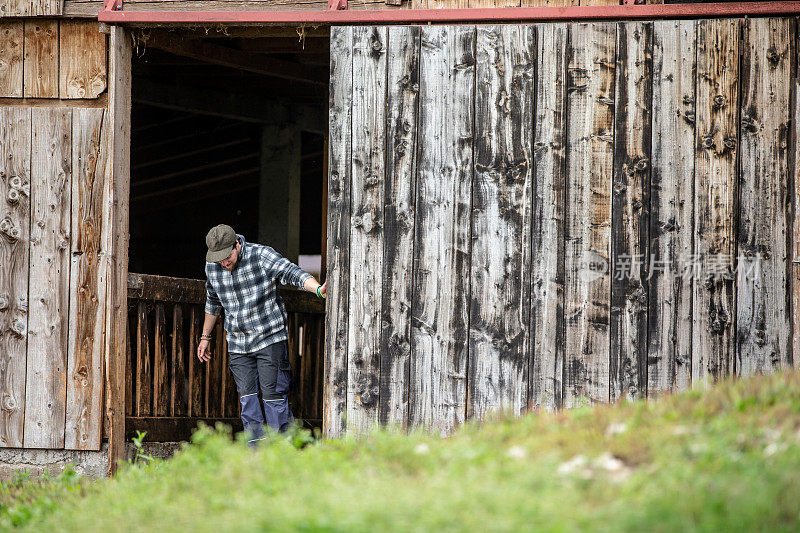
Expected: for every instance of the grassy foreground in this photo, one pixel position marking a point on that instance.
(723, 460)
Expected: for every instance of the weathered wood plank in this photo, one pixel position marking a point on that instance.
(502, 196)
(442, 235)
(715, 198)
(671, 199)
(82, 60)
(178, 404)
(763, 311)
(366, 227)
(590, 112)
(398, 253)
(338, 255)
(161, 392)
(144, 382)
(794, 198)
(15, 173)
(48, 328)
(88, 283)
(12, 37)
(116, 238)
(630, 211)
(547, 271)
(31, 8)
(41, 59)
(196, 384)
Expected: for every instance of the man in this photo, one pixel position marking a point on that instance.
(241, 279)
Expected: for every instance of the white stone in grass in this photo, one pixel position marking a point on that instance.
(571, 466)
(680, 430)
(617, 470)
(774, 447)
(517, 452)
(615, 428)
(421, 448)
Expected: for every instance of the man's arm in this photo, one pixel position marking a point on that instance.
(203, 348)
(213, 308)
(287, 273)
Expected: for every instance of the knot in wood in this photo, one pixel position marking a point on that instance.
(641, 164)
(689, 117)
(19, 328)
(773, 57)
(720, 101)
(15, 182)
(376, 45)
(729, 143)
(13, 196)
(708, 142)
(371, 180)
(8, 230)
(9, 403)
(5, 300)
(749, 124)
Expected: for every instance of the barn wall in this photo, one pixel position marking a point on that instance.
(550, 215)
(53, 168)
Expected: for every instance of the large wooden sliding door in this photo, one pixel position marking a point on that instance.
(550, 215)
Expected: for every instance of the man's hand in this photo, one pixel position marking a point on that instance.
(323, 289)
(204, 351)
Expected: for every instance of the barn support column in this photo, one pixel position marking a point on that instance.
(279, 196)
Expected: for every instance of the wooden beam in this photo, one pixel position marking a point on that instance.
(283, 45)
(242, 106)
(192, 185)
(191, 170)
(116, 239)
(229, 57)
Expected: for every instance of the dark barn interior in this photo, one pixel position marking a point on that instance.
(225, 129)
(222, 135)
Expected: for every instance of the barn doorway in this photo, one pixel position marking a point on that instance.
(227, 127)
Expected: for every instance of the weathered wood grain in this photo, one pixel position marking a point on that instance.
(88, 283)
(590, 127)
(715, 199)
(12, 37)
(48, 328)
(82, 71)
(442, 235)
(338, 254)
(763, 310)
(630, 211)
(31, 8)
(196, 385)
(161, 393)
(794, 198)
(398, 254)
(366, 227)
(15, 173)
(669, 314)
(547, 248)
(502, 195)
(115, 239)
(41, 59)
(143, 363)
(178, 403)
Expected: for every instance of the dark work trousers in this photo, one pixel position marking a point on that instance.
(269, 368)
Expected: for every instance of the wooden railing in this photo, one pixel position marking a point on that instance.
(168, 391)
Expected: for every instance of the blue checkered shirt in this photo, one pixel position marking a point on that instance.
(254, 313)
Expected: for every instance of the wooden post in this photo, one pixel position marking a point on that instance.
(118, 192)
(279, 197)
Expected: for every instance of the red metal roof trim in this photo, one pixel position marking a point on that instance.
(419, 16)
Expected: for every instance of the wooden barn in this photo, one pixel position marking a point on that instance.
(517, 205)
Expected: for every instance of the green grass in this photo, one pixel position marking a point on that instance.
(723, 460)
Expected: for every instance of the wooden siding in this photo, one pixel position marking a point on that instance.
(52, 283)
(592, 219)
(49, 58)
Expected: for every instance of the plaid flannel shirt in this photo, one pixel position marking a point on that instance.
(254, 313)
